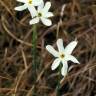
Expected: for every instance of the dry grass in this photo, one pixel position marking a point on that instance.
(16, 74)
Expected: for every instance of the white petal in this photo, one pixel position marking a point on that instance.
(70, 47)
(32, 10)
(47, 6)
(21, 8)
(34, 21)
(37, 2)
(60, 45)
(23, 1)
(55, 64)
(40, 7)
(71, 58)
(52, 50)
(46, 21)
(64, 69)
(48, 14)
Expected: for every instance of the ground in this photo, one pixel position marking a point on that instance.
(17, 77)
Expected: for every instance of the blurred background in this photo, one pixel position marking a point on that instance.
(77, 21)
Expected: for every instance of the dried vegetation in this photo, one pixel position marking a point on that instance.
(78, 21)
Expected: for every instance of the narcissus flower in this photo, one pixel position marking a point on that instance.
(63, 55)
(42, 14)
(29, 4)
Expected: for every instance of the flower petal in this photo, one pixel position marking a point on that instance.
(48, 14)
(32, 10)
(34, 21)
(71, 58)
(21, 8)
(70, 47)
(52, 50)
(40, 7)
(46, 21)
(64, 69)
(60, 45)
(47, 6)
(37, 2)
(55, 64)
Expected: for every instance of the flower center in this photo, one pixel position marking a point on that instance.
(30, 1)
(39, 14)
(62, 56)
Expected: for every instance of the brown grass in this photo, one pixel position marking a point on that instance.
(16, 74)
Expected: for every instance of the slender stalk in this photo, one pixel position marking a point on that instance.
(58, 87)
(58, 83)
(34, 50)
(34, 55)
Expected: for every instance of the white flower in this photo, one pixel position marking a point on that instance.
(63, 56)
(29, 4)
(42, 14)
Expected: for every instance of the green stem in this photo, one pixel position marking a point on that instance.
(57, 93)
(58, 83)
(58, 88)
(34, 50)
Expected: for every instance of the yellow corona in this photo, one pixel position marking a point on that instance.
(62, 56)
(30, 1)
(39, 14)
